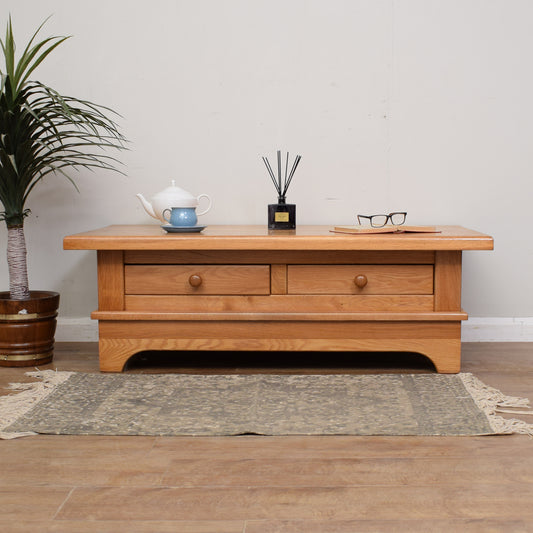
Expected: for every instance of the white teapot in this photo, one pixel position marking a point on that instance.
(170, 197)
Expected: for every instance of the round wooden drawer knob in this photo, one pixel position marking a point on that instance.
(360, 280)
(195, 280)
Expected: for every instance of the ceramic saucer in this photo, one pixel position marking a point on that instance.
(182, 229)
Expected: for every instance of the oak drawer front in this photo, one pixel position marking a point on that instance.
(197, 279)
(360, 279)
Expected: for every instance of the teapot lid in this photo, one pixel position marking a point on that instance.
(175, 196)
(176, 191)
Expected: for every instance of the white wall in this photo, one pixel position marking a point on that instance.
(417, 105)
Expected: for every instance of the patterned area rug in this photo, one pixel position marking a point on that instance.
(68, 403)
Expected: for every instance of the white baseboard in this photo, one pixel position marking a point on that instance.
(501, 329)
(486, 329)
(76, 330)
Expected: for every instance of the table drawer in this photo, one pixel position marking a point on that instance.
(360, 279)
(197, 279)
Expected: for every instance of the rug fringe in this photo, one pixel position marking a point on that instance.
(492, 401)
(27, 396)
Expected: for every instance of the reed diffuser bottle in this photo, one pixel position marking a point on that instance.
(282, 215)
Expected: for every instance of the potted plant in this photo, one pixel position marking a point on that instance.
(41, 132)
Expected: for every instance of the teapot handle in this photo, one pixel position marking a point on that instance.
(163, 214)
(208, 207)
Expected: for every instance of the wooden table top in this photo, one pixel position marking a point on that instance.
(259, 237)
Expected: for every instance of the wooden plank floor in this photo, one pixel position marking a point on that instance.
(253, 484)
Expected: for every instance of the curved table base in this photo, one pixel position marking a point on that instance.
(439, 341)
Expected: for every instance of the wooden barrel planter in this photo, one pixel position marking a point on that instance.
(27, 328)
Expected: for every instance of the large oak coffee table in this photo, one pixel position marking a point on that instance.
(250, 288)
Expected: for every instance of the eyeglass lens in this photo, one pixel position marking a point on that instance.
(397, 218)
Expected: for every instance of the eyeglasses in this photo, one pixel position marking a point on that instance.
(396, 218)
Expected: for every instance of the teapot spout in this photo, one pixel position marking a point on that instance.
(147, 205)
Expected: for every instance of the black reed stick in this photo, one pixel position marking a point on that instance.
(286, 167)
(293, 170)
(271, 173)
(279, 170)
